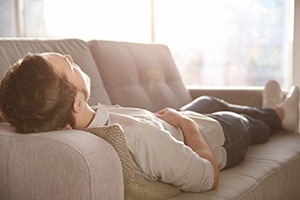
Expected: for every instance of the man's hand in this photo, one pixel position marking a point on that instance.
(171, 116)
(192, 137)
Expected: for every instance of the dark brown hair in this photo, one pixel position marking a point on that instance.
(34, 98)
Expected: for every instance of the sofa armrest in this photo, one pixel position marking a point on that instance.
(58, 165)
(243, 96)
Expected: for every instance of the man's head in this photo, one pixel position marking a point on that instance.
(40, 91)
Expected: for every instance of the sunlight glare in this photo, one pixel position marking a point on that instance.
(114, 19)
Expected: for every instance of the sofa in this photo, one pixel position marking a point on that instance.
(74, 164)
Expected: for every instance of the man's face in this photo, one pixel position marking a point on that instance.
(64, 64)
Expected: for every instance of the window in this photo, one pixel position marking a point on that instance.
(214, 43)
(102, 19)
(232, 43)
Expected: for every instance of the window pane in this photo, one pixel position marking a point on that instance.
(240, 43)
(102, 19)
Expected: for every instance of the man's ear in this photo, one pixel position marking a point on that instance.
(79, 102)
(68, 127)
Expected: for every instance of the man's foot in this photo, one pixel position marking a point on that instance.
(290, 107)
(272, 95)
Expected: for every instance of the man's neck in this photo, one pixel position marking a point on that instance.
(84, 118)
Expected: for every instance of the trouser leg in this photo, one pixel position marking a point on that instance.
(240, 132)
(207, 104)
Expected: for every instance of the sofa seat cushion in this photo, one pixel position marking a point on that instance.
(268, 171)
(139, 75)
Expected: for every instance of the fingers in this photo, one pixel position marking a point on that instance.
(163, 111)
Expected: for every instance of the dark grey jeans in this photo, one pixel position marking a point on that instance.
(242, 125)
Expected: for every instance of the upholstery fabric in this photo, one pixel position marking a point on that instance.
(4, 62)
(58, 165)
(15, 49)
(146, 75)
(267, 172)
(235, 95)
(136, 186)
(68, 165)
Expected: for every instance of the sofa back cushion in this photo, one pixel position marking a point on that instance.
(139, 75)
(4, 62)
(13, 49)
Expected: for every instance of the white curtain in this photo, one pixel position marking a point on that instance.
(7, 28)
(22, 18)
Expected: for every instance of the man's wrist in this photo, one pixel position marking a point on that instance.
(185, 121)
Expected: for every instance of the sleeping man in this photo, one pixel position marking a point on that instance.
(186, 148)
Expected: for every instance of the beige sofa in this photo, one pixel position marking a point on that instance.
(78, 165)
